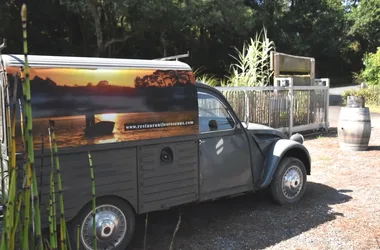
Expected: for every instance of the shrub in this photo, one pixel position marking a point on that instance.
(371, 72)
(209, 80)
(371, 94)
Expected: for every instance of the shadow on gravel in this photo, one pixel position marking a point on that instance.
(373, 148)
(332, 133)
(251, 221)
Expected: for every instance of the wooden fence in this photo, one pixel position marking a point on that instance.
(285, 107)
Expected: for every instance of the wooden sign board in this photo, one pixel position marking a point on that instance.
(300, 68)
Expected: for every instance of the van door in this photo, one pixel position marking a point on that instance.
(3, 135)
(224, 152)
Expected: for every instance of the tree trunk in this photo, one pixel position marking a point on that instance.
(92, 4)
(83, 34)
(163, 43)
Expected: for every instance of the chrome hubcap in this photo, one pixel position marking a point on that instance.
(292, 182)
(110, 228)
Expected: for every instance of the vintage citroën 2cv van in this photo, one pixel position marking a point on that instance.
(157, 137)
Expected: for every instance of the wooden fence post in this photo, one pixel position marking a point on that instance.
(291, 94)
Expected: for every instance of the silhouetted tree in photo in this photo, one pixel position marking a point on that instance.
(166, 90)
(164, 79)
(103, 83)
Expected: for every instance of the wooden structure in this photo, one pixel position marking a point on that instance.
(300, 68)
(296, 102)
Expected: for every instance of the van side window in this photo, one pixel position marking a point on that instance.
(213, 115)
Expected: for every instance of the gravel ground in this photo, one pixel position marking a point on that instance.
(340, 209)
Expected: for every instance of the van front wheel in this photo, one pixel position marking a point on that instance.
(289, 181)
(114, 225)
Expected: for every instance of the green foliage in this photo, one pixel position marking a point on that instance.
(357, 78)
(365, 23)
(252, 67)
(210, 29)
(208, 79)
(371, 72)
(371, 94)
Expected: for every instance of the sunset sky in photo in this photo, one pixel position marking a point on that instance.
(81, 77)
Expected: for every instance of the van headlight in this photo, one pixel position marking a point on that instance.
(297, 137)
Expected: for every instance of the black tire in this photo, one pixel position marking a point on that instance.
(123, 209)
(296, 167)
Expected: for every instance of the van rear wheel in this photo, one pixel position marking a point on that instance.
(115, 225)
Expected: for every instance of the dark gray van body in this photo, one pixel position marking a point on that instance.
(213, 155)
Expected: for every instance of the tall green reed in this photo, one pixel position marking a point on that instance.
(13, 188)
(62, 220)
(93, 199)
(31, 183)
(52, 206)
(252, 66)
(2, 46)
(22, 211)
(22, 220)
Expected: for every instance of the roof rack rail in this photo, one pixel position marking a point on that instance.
(176, 57)
(3, 45)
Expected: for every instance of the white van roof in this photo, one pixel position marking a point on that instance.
(90, 62)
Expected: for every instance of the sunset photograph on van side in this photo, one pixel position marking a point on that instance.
(92, 106)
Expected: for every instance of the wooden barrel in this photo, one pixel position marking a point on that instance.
(354, 128)
(355, 102)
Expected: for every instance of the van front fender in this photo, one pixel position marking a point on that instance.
(280, 149)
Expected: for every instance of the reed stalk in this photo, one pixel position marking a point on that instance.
(2, 245)
(175, 231)
(52, 207)
(78, 237)
(4, 239)
(59, 182)
(31, 174)
(25, 243)
(22, 212)
(68, 238)
(93, 199)
(9, 208)
(22, 140)
(42, 166)
(28, 176)
(3, 201)
(18, 215)
(13, 182)
(9, 218)
(146, 229)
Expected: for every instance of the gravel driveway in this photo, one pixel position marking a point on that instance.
(340, 209)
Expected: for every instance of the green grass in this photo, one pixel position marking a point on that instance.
(374, 108)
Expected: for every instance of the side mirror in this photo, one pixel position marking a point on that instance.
(244, 124)
(213, 125)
